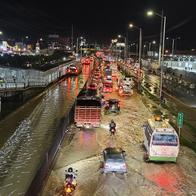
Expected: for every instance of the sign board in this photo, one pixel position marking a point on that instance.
(180, 119)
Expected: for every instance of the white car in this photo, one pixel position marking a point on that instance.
(114, 160)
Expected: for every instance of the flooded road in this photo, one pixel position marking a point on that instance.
(28, 133)
(83, 153)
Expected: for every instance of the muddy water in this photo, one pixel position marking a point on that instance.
(143, 179)
(29, 133)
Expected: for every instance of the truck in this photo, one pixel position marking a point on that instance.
(87, 110)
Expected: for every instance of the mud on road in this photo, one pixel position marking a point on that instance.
(143, 179)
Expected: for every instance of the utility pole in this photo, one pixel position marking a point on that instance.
(149, 46)
(77, 45)
(161, 40)
(173, 41)
(162, 58)
(140, 46)
(125, 49)
(72, 37)
(136, 49)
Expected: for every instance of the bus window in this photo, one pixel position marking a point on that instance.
(165, 139)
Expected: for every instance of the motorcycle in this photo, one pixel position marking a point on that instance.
(70, 184)
(113, 131)
(68, 189)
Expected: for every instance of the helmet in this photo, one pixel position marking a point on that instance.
(70, 169)
(112, 121)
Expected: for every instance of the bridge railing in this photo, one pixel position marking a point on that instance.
(16, 79)
(20, 85)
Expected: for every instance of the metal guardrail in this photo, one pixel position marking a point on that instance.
(48, 161)
(22, 79)
(20, 85)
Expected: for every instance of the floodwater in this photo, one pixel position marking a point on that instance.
(83, 153)
(28, 133)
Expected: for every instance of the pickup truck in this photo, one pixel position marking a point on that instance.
(87, 111)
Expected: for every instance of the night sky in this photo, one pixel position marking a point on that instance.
(98, 20)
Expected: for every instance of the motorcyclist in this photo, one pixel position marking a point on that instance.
(70, 176)
(112, 126)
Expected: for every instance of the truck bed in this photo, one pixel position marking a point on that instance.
(87, 116)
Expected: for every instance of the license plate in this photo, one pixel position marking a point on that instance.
(87, 126)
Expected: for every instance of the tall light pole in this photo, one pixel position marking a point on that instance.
(140, 41)
(1, 33)
(72, 37)
(77, 45)
(114, 41)
(125, 48)
(161, 45)
(140, 53)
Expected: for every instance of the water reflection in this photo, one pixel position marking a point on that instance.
(21, 155)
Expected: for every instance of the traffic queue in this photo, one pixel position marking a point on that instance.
(161, 141)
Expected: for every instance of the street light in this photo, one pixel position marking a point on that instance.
(161, 44)
(1, 33)
(79, 45)
(140, 52)
(150, 13)
(125, 48)
(140, 41)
